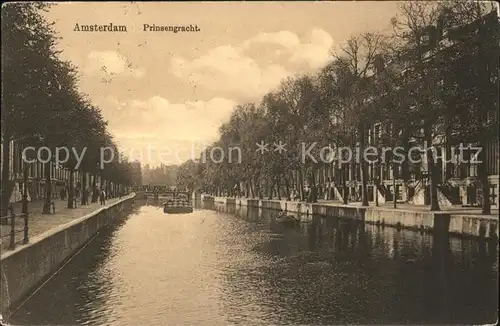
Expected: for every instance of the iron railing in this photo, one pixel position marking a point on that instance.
(10, 221)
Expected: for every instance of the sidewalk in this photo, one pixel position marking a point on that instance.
(39, 223)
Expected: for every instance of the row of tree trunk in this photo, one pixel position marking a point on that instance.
(281, 185)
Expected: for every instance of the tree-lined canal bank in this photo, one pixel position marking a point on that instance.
(230, 264)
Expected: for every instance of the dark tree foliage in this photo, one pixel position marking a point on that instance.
(41, 103)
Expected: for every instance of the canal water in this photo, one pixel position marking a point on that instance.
(233, 265)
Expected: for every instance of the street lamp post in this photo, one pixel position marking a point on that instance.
(25, 188)
(94, 184)
(395, 199)
(425, 181)
(99, 174)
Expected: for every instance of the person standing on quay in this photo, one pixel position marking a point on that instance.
(85, 196)
(103, 197)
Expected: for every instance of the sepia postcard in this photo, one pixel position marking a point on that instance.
(249, 163)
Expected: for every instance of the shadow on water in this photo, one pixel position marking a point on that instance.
(334, 270)
(228, 264)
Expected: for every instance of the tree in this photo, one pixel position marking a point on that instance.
(358, 60)
(394, 110)
(41, 104)
(27, 63)
(188, 176)
(420, 30)
(415, 29)
(471, 92)
(409, 83)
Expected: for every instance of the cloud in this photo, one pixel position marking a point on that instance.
(233, 69)
(157, 124)
(316, 53)
(188, 121)
(110, 63)
(286, 39)
(227, 69)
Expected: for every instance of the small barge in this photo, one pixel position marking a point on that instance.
(178, 203)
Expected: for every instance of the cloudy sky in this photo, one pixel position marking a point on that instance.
(167, 94)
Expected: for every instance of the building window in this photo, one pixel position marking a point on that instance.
(494, 195)
(490, 116)
(473, 170)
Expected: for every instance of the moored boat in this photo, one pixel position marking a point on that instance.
(287, 220)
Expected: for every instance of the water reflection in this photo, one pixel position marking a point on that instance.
(234, 264)
(390, 276)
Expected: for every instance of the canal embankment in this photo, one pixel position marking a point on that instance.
(458, 221)
(27, 266)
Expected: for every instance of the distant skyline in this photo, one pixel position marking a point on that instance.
(163, 89)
